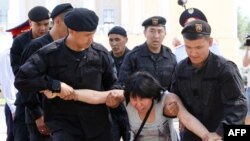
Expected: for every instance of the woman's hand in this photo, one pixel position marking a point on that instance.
(114, 98)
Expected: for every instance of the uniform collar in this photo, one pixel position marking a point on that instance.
(125, 52)
(146, 52)
(205, 63)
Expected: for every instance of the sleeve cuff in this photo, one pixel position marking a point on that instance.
(35, 112)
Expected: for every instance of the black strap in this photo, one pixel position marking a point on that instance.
(144, 121)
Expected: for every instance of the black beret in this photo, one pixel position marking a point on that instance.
(23, 27)
(38, 13)
(81, 19)
(61, 8)
(195, 29)
(118, 30)
(154, 21)
(191, 14)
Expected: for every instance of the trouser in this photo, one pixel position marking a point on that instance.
(62, 135)
(20, 129)
(9, 123)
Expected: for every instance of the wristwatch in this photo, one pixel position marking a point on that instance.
(56, 86)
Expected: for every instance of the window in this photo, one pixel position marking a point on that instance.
(108, 16)
(3, 16)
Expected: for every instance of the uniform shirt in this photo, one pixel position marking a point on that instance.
(161, 129)
(141, 59)
(214, 94)
(92, 71)
(118, 60)
(35, 45)
(33, 100)
(17, 48)
(7, 80)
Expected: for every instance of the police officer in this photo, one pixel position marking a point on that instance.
(58, 30)
(34, 118)
(209, 85)
(186, 16)
(7, 81)
(151, 56)
(19, 29)
(117, 40)
(74, 62)
(189, 15)
(39, 21)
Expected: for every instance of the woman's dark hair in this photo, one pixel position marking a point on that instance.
(144, 85)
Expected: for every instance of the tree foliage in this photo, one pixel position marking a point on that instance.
(243, 26)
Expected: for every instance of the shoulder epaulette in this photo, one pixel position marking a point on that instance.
(99, 47)
(54, 46)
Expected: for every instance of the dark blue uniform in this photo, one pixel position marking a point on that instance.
(35, 45)
(88, 69)
(32, 101)
(120, 122)
(20, 42)
(217, 87)
(118, 60)
(161, 65)
(17, 48)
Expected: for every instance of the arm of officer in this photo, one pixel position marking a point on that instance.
(233, 97)
(96, 97)
(15, 55)
(32, 77)
(127, 68)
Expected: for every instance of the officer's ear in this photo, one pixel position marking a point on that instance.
(145, 30)
(210, 41)
(57, 20)
(126, 40)
(30, 22)
(70, 31)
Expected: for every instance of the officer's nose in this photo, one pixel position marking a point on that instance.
(191, 52)
(43, 28)
(113, 43)
(156, 34)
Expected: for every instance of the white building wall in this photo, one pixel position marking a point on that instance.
(125, 14)
(131, 13)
